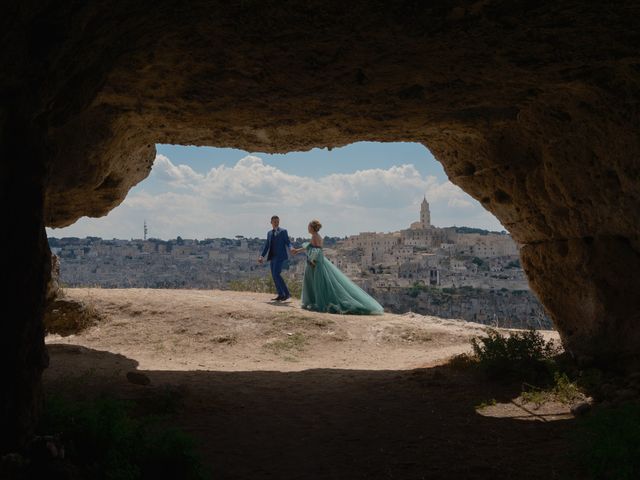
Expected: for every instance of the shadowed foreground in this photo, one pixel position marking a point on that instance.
(331, 423)
(532, 108)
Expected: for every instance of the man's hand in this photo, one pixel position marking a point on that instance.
(260, 260)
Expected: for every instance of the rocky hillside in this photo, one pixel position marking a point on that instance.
(226, 330)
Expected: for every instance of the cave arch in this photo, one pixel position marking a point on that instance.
(531, 107)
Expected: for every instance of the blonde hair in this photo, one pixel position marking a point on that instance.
(315, 225)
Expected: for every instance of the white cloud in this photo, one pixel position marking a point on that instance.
(240, 199)
(175, 175)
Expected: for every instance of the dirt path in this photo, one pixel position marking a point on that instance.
(273, 391)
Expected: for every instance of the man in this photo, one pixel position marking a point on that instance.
(276, 248)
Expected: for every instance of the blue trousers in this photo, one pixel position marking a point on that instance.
(276, 269)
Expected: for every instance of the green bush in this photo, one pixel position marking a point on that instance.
(413, 293)
(609, 442)
(415, 289)
(524, 356)
(462, 361)
(482, 265)
(105, 441)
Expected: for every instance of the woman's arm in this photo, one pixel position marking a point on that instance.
(295, 251)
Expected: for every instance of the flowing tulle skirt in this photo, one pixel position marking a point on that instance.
(327, 289)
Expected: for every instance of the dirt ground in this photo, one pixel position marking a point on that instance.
(273, 391)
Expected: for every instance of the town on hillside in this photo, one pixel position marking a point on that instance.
(454, 272)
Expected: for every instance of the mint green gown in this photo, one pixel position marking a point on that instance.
(327, 289)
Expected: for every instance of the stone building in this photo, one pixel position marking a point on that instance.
(373, 246)
(423, 234)
(486, 246)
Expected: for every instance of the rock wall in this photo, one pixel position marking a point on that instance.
(53, 285)
(25, 265)
(532, 107)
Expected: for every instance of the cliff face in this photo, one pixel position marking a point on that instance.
(497, 308)
(531, 107)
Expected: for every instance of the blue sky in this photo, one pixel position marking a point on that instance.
(205, 192)
(316, 162)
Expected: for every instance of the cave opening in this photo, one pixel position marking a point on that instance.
(244, 376)
(377, 202)
(531, 108)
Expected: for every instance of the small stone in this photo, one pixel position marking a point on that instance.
(46, 447)
(138, 378)
(626, 394)
(581, 409)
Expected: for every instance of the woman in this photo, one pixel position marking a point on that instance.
(325, 287)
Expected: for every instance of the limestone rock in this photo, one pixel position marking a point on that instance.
(532, 107)
(581, 409)
(538, 124)
(53, 286)
(138, 378)
(68, 317)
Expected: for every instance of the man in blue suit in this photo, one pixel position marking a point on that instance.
(276, 249)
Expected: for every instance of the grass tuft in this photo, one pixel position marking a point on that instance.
(105, 440)
(295, 342)
(488, 403)
(265, 285)
(563, 390)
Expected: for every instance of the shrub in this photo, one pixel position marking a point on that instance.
(482, 265)
(524, 356)
(105, 441)
(462, 361)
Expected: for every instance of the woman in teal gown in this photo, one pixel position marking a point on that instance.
(325, 288)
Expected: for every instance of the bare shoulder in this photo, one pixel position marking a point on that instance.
(317, 239)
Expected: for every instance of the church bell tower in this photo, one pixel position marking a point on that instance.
(425, 214)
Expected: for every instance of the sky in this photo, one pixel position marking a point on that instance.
(206, 192)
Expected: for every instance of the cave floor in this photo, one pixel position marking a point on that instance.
(289, 417)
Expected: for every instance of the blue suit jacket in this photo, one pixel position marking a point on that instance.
(281, 245)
